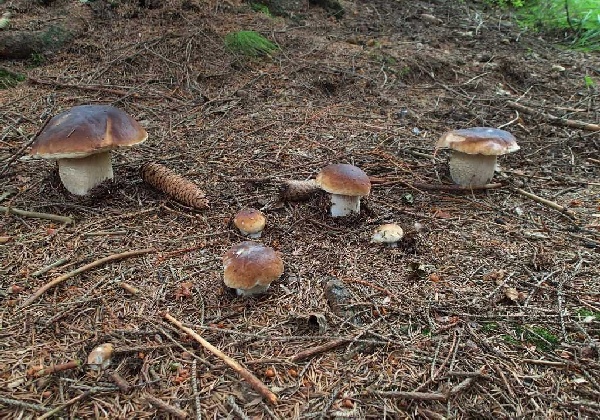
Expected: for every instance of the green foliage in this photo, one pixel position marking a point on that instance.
(584, 313)
(8, 79)
(261, 8)
(541, 337)
(579, 18)
(37, 59)
(249, 43)
(507, 3)
(490, 326)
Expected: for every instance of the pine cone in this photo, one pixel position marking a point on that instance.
(297, 190)
(176, 186)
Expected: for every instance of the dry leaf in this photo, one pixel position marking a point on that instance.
(511, 293)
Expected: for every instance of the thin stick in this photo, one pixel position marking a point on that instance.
(23, 404)
(86, 267)
(243, 372)
(458, 188)
(553, 118)
(547, 203)
(65, 405)
(36, 215)
(158, 403)
(318, 349)
(129, 288)
(26, 145)
(73, 364)
(421, 396)
(195, 392)
(47, 268)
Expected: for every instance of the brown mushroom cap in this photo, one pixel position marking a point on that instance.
(388, 233)
(250, 220)
(85, 130)
(249, 264)
(344, 179)
(479, 141)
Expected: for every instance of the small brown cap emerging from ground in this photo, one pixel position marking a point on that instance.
(479, 141)
(100, 356)
(85, 130)
(344, 179)
(389, 233)
(250, 267)
(250, 222)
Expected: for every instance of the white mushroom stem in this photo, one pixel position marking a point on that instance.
(256, 290)
(80, 175)
(471, 170)
(343, 205)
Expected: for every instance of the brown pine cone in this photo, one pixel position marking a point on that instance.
(297, 190)
(176, 186)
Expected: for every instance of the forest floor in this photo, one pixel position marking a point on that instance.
(490, 310)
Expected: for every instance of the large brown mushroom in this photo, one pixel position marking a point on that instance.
(347, 184)
(250, 267)
(81, 139)
(474, 153)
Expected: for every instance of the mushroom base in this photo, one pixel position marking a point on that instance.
(343, 205)
(256, 290)
(80, 175)
(471, 170)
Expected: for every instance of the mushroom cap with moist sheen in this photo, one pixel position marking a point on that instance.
(249, 264)
(344, 179)
(85, 130)
(479, 141)
(250, 220)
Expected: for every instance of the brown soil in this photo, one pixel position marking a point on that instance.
(491, 310)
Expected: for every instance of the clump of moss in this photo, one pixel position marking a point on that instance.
(8, 79)
(249, 43)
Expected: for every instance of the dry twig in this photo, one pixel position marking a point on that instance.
(317, 350)
(86, 267)
(158, 403)
(553, 118)
(36, 215)
(243, 372)
(547, 203)
(73, 364)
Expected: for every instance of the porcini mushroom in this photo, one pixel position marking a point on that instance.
(389, 233)
(250, 222)
(250, 268)
(347, 184)
(81, 139)
(100, 357)
(474, 153)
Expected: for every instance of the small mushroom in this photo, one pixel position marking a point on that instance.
(250, 268)
(100, 356)
(347, 184)
(389, 233)
(81, 139)
(250, 222)
(474, 153)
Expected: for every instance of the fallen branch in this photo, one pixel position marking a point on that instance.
(36, 215)
(421, 396)
(243, 372)
(49, 267)
(553, 118)
(57, 368)
(119, 381)
(65, 405)
(158, 403)
(547, 203)
(459, 188)
(23, 404)
(86, 267)
(318, 349)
